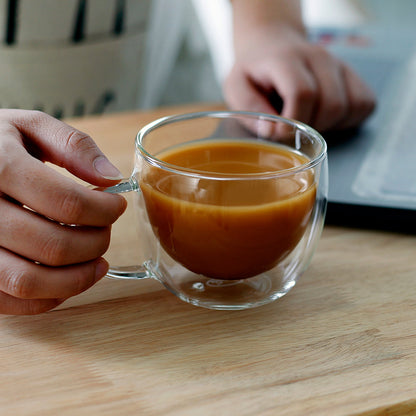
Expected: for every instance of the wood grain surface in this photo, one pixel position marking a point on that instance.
(342, 342)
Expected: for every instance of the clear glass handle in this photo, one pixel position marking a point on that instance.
(127, 185)
(126, 272)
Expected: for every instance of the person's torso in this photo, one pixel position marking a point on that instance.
(72, 57)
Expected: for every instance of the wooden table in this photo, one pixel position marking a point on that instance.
(342, 342)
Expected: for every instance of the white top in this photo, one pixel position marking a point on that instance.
(76, 57)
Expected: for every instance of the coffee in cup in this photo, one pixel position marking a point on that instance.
(230, 206)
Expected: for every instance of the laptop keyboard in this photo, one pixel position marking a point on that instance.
(400, 173)
(389, 169)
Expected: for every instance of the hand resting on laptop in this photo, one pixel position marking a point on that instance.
(273, 58)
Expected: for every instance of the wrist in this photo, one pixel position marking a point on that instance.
(273, 36)
(255, 19)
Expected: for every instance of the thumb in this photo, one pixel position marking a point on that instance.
(57, 142)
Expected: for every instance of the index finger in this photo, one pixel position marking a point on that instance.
(297, 88)
(55, 196)
(49, 139)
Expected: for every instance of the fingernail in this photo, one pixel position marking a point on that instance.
(106, 169)
(101, 269)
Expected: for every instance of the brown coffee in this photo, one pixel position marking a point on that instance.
(229, 228)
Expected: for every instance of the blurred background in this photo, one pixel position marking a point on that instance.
(204, 53)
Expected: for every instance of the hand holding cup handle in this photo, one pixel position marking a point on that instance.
(53, 231)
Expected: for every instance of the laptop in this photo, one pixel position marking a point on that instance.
(372, 169)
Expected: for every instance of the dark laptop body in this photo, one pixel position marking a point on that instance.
(372, 170)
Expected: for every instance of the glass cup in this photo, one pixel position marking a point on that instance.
(230, 205)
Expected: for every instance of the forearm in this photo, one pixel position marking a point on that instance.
(249, 15)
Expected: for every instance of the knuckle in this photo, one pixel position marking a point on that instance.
(70, 245)
(54, 251)
(21, 284)
(71, 208)
(37, 117)
(82, 281)
(76, 141)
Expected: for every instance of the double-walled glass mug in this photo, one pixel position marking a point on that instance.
(230, 205)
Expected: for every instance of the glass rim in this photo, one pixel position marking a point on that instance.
(163, 121)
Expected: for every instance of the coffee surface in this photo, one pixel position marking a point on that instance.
(237, 224)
